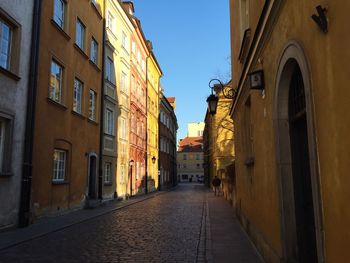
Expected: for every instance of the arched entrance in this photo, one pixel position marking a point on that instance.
(301, 217)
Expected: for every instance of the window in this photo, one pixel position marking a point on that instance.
(108, 173)
(123, 128)
(2, 142)
(59, 165)
(197, 157)
(184, 177)
(80, 35)
(94, 51)
(133, 87)
(143, 65)
(109, 70)
(122, 173)
(92, 105)
(109, 126)
(138, 56)
(58, 13)
(77, 96)
(123, 82)
(124, 41)
(110, 21)
(184, 156)
(133, 47)
(56, 82)
(5, 42)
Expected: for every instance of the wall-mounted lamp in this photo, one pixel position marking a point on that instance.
(153, 159)
(321, 19)
(257, 80)
(213, 99)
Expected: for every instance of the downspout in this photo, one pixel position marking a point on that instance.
(26, 184)
(100, 166)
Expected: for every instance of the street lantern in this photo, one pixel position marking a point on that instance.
(131, 163)
(212, 101)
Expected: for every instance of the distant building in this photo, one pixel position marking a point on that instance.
(167, 144)
(190, 160)
(195, 129)
(15, 38)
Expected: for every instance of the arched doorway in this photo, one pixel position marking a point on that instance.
(300, 202)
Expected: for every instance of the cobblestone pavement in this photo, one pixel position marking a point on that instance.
(166, 228)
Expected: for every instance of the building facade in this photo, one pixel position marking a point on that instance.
(67, 117)
(167, 143)
(15, 38)
(190, 157)
(292, 143)
(218, 141)
(154, 73)
(116, 106)
(138, 113)
(195, 129)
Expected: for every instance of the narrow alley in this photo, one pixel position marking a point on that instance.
(188, 224)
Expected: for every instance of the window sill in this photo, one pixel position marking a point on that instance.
(110, 83)
(61, 30)
(60, 182)
(94, 65)
(94, 6)
(93, 122)
(81, 51)
(3, 174)
(78, 115)
(63, 107)
(9, 74)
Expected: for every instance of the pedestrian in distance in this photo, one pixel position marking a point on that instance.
(216, 183)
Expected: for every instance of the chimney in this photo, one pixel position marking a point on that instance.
(149, 44)
(129, 7)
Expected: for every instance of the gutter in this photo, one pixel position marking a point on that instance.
(27, 169)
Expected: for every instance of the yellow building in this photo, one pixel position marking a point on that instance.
(219, 145)
(116, 100)
(292, 136)
(154, 73)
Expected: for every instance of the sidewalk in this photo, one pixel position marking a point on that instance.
(226, 240)
(52, 224)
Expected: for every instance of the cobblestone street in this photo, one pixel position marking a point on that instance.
(167, 228)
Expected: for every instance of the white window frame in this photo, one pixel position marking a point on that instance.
(123, 82)
(133, 47)
(108, 173)
(123, 125)
(94, 51)
(78, 96)
(92, 105)
(59, 165)
(110, 21)
(55, 91)
(59, 12)
(109, 121)
(124, 41)
(5, 52)
(80, 34)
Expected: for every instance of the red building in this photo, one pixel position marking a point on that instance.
(138, 120)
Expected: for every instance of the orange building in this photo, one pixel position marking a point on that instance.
(67, 123)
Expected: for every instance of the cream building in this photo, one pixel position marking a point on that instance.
(195, 129)
(116, 102)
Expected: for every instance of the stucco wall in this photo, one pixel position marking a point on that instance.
(13, 100)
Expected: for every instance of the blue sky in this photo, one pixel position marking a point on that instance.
(191, 40)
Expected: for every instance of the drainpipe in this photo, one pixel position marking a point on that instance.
(100, 162)
(146, 177)
(26, 184)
